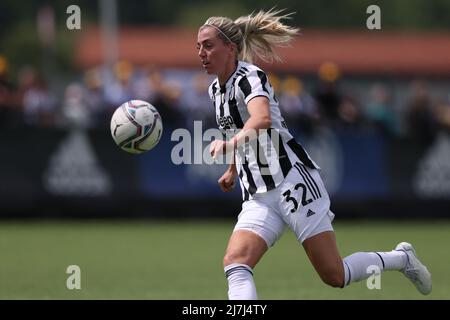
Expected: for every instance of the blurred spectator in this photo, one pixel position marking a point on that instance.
(379, 110)
(275, 82)
(327, 95)
(196, 103)
(349, 111)
(299, 108)
(166, 97)
(442, 114)
(117, 87)
(75, 109)
(94, 96)
(420, 122)
(7, 101)
(169, 99)
(142, 84)
(337, 108)
(181, 98)
(39, 104)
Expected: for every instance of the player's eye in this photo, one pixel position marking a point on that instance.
(207, 45)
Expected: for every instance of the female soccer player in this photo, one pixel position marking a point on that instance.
(280, 183)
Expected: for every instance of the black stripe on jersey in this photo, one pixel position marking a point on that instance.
(261, 160)
(246, 194)
(308, 183)
(245, 69)
(232, 103)
(234, 113)
(241, 72)
(214, 89)
(300, 153)
(262, 76)
(245, 86)
(283, 157)
(313, 181)
(221, 103)
(251, 182)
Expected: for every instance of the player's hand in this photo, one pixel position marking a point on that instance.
(226, 182)
(218, 147)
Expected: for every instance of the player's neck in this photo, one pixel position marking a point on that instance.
(231, 68)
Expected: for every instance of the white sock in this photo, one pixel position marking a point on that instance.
(393, 260)
(356, 265)
(240, 282)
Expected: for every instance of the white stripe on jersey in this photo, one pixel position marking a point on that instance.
(263, 170)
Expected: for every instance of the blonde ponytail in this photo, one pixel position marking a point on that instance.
(263, 32)
(255, 35)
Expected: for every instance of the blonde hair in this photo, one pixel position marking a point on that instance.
(255, 35)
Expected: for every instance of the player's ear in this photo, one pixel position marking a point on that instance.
(233, 47)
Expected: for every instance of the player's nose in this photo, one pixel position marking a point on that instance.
(201, 53)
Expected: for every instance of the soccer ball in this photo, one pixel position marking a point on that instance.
(136, 126)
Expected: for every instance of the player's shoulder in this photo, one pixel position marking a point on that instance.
(249, 73)
(249, 76)
(249, 68)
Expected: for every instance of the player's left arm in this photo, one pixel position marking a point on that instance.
(259, 110)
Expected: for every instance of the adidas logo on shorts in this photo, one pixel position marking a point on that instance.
(310, 213)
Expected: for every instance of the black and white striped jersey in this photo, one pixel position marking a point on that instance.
(262, 164)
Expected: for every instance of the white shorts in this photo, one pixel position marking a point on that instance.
(300, 202)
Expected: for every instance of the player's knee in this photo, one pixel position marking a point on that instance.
(334, 281)
(232, 257)
(333, 278)
(236, 256)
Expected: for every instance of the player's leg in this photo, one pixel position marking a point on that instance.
(257, 229)
(305, 206)
(311, 222)
(323, 254)
(245, 248)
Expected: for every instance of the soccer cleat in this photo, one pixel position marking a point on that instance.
(414, 269)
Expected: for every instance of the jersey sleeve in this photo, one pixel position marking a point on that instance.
(253, 84)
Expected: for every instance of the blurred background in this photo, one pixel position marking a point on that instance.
(372, 107)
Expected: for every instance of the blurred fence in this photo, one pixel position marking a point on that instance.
(49, 172)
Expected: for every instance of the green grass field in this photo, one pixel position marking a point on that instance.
(183, 260)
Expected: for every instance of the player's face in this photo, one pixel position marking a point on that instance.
(213, 52)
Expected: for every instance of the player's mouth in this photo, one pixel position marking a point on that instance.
(205, 64)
